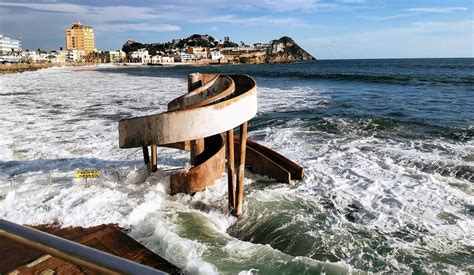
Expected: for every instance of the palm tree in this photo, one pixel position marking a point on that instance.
(27, 59)
(14, 54)
(92, 57)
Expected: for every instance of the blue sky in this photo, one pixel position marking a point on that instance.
(327, 29)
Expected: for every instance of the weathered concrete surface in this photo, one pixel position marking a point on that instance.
(209, 166)
(190, 124)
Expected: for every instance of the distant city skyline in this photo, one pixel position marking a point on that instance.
(327, 29)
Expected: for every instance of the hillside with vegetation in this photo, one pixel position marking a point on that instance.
(195, 40)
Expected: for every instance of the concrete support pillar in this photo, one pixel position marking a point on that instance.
(153, 159)
(239, 192)
(230, 168)
(197, 146)
(146, 156)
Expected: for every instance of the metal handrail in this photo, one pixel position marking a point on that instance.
(72, 252)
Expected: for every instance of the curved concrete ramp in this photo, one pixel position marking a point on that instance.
(184, 124)
(203, 121)
(208, 167)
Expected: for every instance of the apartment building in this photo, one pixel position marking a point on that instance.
(80, 37)
(8, 44)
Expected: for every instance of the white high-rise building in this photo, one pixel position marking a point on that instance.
(8, 44)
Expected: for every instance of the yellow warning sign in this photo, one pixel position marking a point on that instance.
(85, 174)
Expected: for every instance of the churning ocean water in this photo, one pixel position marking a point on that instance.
(387, 147)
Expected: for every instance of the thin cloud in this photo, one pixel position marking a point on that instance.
(415, 11)
(437, 9)
(232, 19)
(352, 1)
(49, 7)
(103, 19)
(143, 27)
(292, 5)
(275, 6)
(101, 13)
(388, 17)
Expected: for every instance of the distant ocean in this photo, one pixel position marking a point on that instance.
(387, 146)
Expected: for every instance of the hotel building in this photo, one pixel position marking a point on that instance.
(7, 44)
(80, 37)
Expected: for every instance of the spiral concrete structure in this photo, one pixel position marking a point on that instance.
(203, 121)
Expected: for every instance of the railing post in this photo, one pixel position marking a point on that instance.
(241, 174)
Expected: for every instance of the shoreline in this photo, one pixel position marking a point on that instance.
(19, 68)
(22, 67)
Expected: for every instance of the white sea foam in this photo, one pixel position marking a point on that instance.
(383, 180)
(53, 122)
